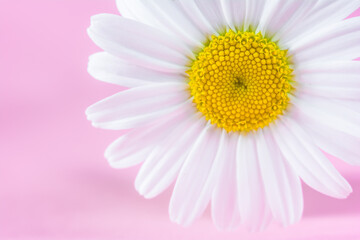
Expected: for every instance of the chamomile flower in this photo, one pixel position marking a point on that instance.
(235, 101)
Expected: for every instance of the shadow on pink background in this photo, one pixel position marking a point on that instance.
(54, 180)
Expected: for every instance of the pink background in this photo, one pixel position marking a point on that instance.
(54, 180)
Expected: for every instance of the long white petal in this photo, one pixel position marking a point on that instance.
(332, 92)
(331, 80)
(213, 13)
(137, 106)
(197, 177)
(197, 17)
(234, 12)
(254, 209)
(331, 67)
(339, 41)
(165, 15)
(281, 17)
(308, 161)
(138, 43)
(254, 12)
(109, 68)
(329, 113)
(319, 14)
(340, 144)
(134, 146)
(164, 163)
(282, 185)
(352, 105)
(224, 207)
(126, 10)
(339, 74)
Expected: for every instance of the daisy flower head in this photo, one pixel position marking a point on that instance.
(235, 101)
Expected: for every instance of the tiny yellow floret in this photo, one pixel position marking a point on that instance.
(241, 81)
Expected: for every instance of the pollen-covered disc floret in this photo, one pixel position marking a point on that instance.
(241, 81)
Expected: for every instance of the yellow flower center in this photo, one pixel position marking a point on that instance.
(241, 81)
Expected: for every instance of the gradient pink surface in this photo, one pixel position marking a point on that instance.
(54, 180)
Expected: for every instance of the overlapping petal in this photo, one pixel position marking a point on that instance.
(254, 209)
(308, 161)
(329, 113)
(137, 106)
(335, 42)
(314, 17)
(335, 142)
(196, 180)
(138, 43)
(224, 202)
(175, 17)
(109, 68)
(164, 163)
(135, 146)
(282, 185)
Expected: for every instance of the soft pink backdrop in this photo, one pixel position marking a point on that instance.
(54, 180)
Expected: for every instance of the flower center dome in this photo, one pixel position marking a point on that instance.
(241, 81)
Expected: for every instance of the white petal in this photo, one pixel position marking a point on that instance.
(108, 68)
(308, 161)
(137, 106)
(314, 17)
(331, 67)
(254, 12)
(224, 207)
(352, 105)
(340, 74)
(234, 13)
(193, 21)
(165, 15)
(282, 185)
(244, 14)
(254, 209)
(339, 41)
(197, 16)
(134, 147)
(138, 43)
(332, 92)
(126, 10)
(213, 13)
(329, 113)
(162, 166)
(336, 141)
(332, 141)
(197, 177)
(280, 17)
(326, 33)
(332, 80)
